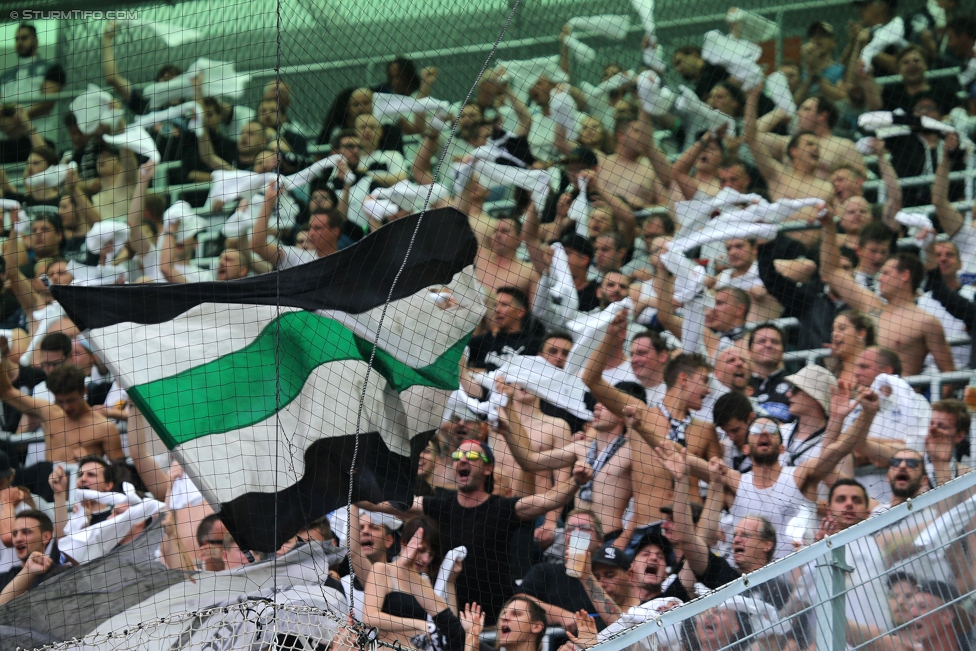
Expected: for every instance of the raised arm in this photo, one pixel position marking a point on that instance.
(518, 442)
(556, 497)
(521, 112)
(539, 253)
(936, 344)
(893, 201)
(110, 67)
(769, 167)
(841, 281)
(140, 434)
(421, 170)
(950, 218)
(838, 441)
(684, 535)
(12, 396)
(139, 239)
(609, 396)
(376, 589)
(166, 243)
(259, 234)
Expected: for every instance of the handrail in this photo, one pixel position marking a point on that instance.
(795, 560)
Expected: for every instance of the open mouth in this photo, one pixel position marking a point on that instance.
(463, 473)
(504, 629)
(738, 549)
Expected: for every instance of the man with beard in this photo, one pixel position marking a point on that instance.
(753, 544)
(484, 523)
(906, 477)
(778, 492)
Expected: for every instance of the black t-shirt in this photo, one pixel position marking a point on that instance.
(588, 300)
(719, 572)
(943, 90)
(27, 378)
(9, 575)
(551, 584)
(710, 75)
(523, 343)
(486, 531)
(771, 390)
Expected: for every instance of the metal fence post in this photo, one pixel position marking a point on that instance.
(831, 580)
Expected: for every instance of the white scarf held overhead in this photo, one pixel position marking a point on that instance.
(219, 79)
(93, 108)
(135, 139)
(891, 34)
(556, 302)
(609, 25)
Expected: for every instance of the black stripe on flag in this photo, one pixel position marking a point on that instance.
(354, 280)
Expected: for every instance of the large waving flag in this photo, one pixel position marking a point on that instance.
(255, 385)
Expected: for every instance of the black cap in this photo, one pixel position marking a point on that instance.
(582, 156)
(610, 555)
(655, 537)
(5, 469)
(576, 242)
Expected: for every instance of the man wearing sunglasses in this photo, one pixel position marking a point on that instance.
(484, 523)
(906, 477)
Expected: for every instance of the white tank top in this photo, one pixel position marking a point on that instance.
(778, 503)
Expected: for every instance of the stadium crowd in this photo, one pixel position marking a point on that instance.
(631, 237)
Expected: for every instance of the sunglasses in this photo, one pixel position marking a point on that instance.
(911, 463)
(759, 428)
(470, 455)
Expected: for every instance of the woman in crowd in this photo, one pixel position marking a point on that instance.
(400, 599)
(853, 332)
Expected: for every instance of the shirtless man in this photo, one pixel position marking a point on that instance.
(902, 326)
(818, 116)
(609, 453)
(624, 180)
(668, 423)
(543, 433)
(796, 180)
(72, 430)
(498, 265)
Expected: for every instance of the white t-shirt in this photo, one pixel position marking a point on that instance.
(779, 503)
(617, 374)
(293, 256)
(745, 282)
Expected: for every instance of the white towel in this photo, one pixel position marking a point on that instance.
(219, 79)
(95, 276)
(107, 498)
(389, 105)
(778, 89)
(379, 209)
(655, 98)
(580, 50)
(689, 277)
(94, 108)
(52, 177)
(739, 57)
(590, 330)
(564, 113)
(135, 139)
(413, 197)
(913, 219)
(172, 35)
(315, 170)
(755, 28)
(522, 74)
(556, 301)
(645, 9)
(687, 102)
(609, 25)
(98, 539)
(579, 210)
(720, 230)
(554, 385)
(170, 113)
(229, 185)
(103, 232)
(535, 181)
(887, 35)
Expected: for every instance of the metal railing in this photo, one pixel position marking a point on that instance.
(828, 600)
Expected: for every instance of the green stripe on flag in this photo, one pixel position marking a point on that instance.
(250, 385)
